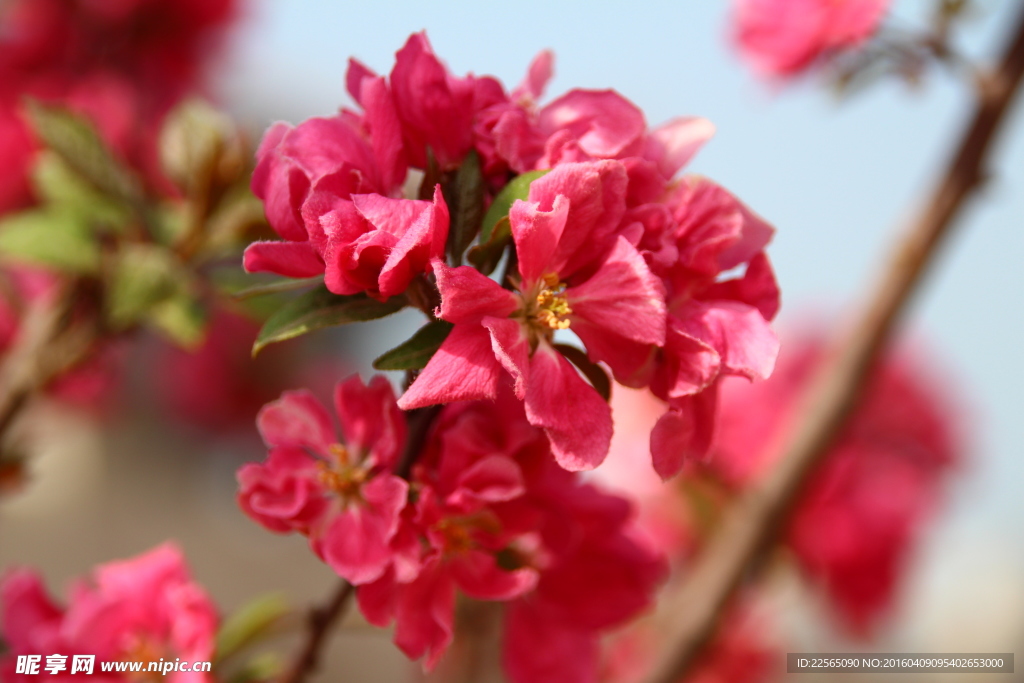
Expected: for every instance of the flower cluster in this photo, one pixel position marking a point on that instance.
(783, 38)
(141, 609)
(663, 280)
(485, 511)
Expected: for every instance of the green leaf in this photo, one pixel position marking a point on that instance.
(276, 287)
(591, 370)
(142, 276)
(181, 318)
(487, 255)
(249, 623)
(50, 237)
(318, 309)
(57, 184)
(264, 667)
(77, 142)
(465, 198)
(517, 188)
(415, 352)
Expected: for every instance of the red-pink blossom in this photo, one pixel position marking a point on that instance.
(717, 326)
(865, 504)
(574, 273)
(139, 609)
(785, 37)
(340, 492)
(377, 244)
(497, 519)
(436, 109)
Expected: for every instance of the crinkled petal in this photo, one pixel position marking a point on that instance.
(370, 418)
(421, 239)
(467, 295)
(463, 369)
(536, 233)
(479, 576)
(757, 287)
(493, 479)
(426, 615)
(683, 434)
(355, 545)
(297, 420)
(742, 337)
(671, 145)
(511, 346)
(575, 418)
(537, 77)
(622, 296)
(605, 124)
(596, 192)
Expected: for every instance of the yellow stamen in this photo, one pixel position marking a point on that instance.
(339, 452)
(552, 306)
(344, 480)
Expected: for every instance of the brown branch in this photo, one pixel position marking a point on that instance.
(49, 344)
(751, 524)
(318, 625)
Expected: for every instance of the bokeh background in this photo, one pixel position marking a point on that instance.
(836, 177)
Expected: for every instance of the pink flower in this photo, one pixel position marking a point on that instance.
(377, 244)
(785, 37)
(292, 160)
(497, 519)
(469, 519)
(865, 504)
(716, 326)
(575, 274)
(340, 493)
(140, 609)
(597, 577)
(436, 109)
(585, 125)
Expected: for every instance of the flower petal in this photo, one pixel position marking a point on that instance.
(355, 545)
(291, 259)
(463, 369)
(575, 418)
(296, 420)
(467, 295)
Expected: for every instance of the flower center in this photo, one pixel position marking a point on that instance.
(460, 534)
(143, 648)
(343, 478)
(552, 307)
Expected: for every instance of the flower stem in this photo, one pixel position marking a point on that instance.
(752, 522)
(318, 625)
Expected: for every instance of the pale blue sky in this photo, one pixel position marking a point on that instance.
(834, 178)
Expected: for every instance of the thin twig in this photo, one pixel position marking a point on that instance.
(49, 344)
(751, 525)
(318, 626)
